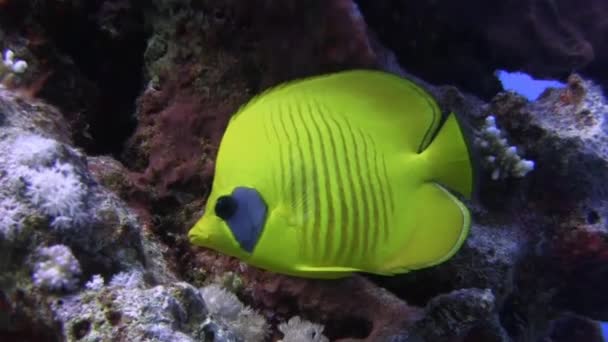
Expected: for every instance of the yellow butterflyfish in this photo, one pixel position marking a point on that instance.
(333, 174)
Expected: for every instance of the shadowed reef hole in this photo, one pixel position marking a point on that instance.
(348, 327)
(416, 288)
(107, 47)
(81, 329)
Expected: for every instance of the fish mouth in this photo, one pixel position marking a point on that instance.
(234, 231)
(196, 237)
(218, 241)
(201, 234)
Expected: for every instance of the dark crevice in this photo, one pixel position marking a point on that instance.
(427, 43)
(81, 329)
(164, 222)
(106, 42)
(483, 332)
(21, 319)
(593, 217)
(347, 328)
(416, 288)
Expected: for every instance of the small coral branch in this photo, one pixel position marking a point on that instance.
(500, 157)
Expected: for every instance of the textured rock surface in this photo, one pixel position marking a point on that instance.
(533, 266)
(59, 228)
(462, 314)
(49, 197)
(568, 191)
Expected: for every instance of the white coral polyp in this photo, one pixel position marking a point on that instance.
(58, 192)
(11, 218)
(299, 330)
(225, 307)
(33, 149)
(96, 283)
(57, 269)
(221, 302)
(130, 280)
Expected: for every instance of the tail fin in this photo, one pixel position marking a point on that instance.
(450, 158)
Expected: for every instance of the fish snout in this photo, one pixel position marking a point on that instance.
(200, 233)
(195, 236)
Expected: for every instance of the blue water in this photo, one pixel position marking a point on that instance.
(526, 86)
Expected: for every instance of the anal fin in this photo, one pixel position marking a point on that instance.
(324, 272)
(439, 222)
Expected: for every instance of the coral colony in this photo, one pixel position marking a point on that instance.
(110, 160)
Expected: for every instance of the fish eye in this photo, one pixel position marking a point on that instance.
(225, 207)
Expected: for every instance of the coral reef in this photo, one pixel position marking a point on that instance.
(61, 225)
(107, 142)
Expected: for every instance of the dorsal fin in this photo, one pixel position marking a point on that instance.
(395, 108)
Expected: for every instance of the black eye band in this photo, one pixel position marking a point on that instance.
(244, 211)
(225, 207)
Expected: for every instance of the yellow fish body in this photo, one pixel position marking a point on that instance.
(339, 173)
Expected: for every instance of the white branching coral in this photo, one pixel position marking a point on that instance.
(500, 157)
(226, 308)
(57, 268)
(299, 330)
